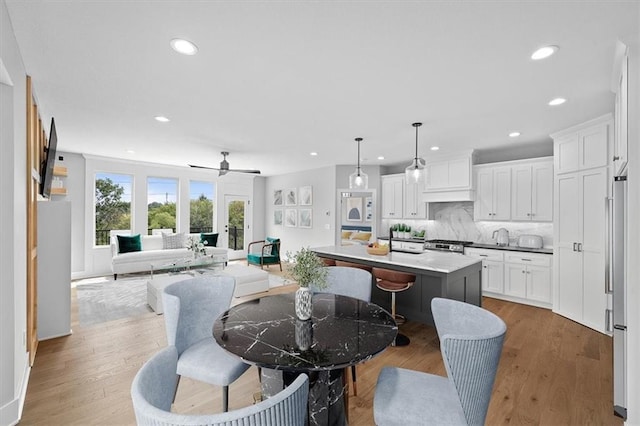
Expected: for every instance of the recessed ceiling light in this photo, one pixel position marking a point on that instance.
(313, 154)
(380, 157)
(514, 134)
(544, 52)
(435, 148)
(130, 151)
(161, 119)
(557, 101)
(184, 46)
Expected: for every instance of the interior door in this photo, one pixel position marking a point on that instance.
(237, 232)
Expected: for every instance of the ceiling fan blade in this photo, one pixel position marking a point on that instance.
(202, 167)
(257, 172)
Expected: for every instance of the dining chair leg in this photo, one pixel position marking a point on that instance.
(353, 378)
(225, 398)
(175, 391)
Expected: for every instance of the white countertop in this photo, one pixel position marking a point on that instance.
(429, 260)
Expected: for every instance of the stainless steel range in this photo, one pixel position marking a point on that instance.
(446, 245)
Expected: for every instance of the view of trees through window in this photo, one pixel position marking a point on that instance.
(112, 204)
(162, 195)
(200, 207)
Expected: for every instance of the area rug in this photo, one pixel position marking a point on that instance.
(103, 299)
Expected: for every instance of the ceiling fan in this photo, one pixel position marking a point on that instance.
(224, 167)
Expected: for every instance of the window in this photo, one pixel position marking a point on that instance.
(200, 207)
(162, 194)
(112, 205)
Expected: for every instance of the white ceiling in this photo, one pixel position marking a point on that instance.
(274, 81)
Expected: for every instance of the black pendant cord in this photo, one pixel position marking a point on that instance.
(416, 125)
(358, 140)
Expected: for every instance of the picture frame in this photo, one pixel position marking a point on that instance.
(368, 209)
(354, 209)
(291, 218)
(305, 218)
(306, 195)
(277, 197)
(277, 217)
(291, 197)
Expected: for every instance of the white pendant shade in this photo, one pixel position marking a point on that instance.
(358, 179)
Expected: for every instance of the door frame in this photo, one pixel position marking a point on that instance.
(248, 229)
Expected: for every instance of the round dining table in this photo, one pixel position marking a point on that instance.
(341, 332)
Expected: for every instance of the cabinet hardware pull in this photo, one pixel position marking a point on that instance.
(526, 260)
(483, 255)
(580, 247)
(616, 157)
(528, 214)
(575, 245)
(524, 272)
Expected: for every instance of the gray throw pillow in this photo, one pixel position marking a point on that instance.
(173, 241)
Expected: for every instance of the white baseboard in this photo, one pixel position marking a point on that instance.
(11, 413)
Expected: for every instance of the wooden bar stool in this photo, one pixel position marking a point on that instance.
(393, 282)
(353, 265)
(328, 262)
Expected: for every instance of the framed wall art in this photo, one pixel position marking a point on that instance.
(291, 197)
(354, 209)
(277, 217)
(304, 218)
(306, 196)
(291, 218)
(277, 197)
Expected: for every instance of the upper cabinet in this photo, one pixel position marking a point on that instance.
(620, 86)
(493, 194)
(583, 147)
(392, 196)
(519, 190)
(414, 207)
(532, 191)
(449, 178)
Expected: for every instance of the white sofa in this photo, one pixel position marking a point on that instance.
(152, 253)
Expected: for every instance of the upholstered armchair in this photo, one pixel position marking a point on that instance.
(264, 252)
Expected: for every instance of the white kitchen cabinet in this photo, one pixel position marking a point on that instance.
(492, 269)
(580, 228)
(392, 196)
(449, 178)
(528, 276)
(532, 191)
(414, 207)
(583, 147)
(493, 193)
(620, 87)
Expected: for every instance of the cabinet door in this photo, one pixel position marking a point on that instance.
(515, 282)
(621, 120)
(437, 175)
(521, 192)
(392, 197)
(483, 206)
(592, 148)
(539, 284)
(566, 154)
(414, 207)
(502, 193)
(493, 276)
(542, 192)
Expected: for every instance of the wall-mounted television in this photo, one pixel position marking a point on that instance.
(46, 169)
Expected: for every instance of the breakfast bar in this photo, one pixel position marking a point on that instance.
(438, 274)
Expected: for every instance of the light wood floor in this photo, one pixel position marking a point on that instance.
(552, 372)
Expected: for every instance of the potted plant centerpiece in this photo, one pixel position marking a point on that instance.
(306, 268)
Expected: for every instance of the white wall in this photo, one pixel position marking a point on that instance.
(14, 364)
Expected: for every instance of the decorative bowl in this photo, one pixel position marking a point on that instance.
(378, 251)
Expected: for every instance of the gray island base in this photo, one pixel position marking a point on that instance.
(438, 274)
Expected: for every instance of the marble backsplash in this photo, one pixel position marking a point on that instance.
(454, 221)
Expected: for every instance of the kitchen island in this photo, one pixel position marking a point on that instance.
(438, 274)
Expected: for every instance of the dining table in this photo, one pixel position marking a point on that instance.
(342, 331)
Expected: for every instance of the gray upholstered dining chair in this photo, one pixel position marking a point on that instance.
(190, 308)
(352, 282)
(471, 342)
(152, 394)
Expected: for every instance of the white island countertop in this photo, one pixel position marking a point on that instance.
(434, 261)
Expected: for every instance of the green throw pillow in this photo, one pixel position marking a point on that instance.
(275, 242)
(127, 244)
(209, 239)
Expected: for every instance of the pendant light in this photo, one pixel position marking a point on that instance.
(358, 179)
(415, 173)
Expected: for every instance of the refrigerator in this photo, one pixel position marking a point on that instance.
(618, 281)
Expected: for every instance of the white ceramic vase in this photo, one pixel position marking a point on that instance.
(303, 303)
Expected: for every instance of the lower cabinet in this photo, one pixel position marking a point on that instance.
(516, 276)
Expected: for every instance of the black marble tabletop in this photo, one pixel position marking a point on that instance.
(342, 331)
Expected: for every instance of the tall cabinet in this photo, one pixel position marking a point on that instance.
(581, 190)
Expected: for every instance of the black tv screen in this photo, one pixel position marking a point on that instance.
(46, 173)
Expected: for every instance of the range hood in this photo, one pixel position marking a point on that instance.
(449, 195)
